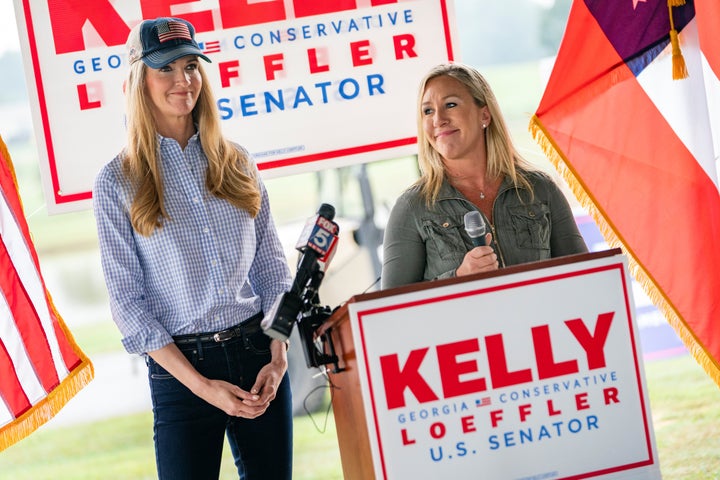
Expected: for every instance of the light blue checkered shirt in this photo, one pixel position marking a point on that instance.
(208, 268)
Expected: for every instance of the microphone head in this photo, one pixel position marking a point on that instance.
(326, 211)
(474, 224)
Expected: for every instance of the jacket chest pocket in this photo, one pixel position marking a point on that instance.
(531, 224)
(444, 239)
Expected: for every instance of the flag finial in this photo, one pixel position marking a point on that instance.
(679, 70)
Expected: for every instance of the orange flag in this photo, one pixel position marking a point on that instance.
(631, 117)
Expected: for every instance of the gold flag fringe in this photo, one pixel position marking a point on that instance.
(44, 410)
(77, 378)
(614, 240)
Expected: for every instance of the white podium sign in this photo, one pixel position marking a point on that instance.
(531, 375)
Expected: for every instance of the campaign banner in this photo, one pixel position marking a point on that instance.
(303, 85)
(531, 375)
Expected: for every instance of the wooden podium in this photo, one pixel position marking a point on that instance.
(349, 396)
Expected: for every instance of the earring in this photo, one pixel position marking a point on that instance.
(484, 125)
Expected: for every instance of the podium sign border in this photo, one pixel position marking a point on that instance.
(362, 311)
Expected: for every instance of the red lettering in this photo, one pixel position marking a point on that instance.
(581, 401)
(240, 13)
(547, 367)
(360, 52)
(437, 430)
(468, 424)
(451, 369)
(499, 373)
(611, 395)
(313, 60)
(308, 8)
(404, 46)
(525, 411)
(84, 98)
(405, 439)
(228, 71)
(67, 18)
(594, 345)
(397, 379)
(495, 417)
(273, 63)
(202, 21)
(551, 409)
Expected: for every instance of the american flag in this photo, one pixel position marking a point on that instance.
(172, 30)
(41, 367)
(483, 402)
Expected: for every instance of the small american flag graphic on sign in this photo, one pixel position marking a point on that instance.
(482, 402)
(212, 46)
(172, 31)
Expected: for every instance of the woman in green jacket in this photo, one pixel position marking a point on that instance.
(468, 162)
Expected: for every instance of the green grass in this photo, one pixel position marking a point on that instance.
(685, 406)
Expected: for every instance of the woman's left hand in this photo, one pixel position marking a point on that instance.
(269, 377)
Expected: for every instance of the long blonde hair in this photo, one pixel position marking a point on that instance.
(230, 175)
(502, 158)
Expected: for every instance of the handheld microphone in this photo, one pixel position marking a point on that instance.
(317, 244)
(475, 228)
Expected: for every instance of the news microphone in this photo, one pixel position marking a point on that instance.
(475, 228)
(317, 243)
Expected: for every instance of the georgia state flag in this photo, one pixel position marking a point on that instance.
(640, 148)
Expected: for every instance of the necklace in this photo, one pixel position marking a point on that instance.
(482, 195)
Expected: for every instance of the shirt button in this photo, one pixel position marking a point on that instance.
(206, 230)
(213, 263)
(196, 200)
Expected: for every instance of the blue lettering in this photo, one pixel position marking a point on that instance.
(256, 39)
(375, 82)
(247, 105)
(432, 454)
(278, 101)
(344, 94)
(301, 96)
(225, 111)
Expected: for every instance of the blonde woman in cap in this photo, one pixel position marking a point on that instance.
(469, 164)
(191, 259)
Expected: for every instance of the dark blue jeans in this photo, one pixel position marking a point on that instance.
(189, 432)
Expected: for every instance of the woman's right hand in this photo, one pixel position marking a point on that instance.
(479, 259)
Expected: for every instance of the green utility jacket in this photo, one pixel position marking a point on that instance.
(424, 243)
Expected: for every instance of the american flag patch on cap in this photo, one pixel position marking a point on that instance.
(172, 30)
